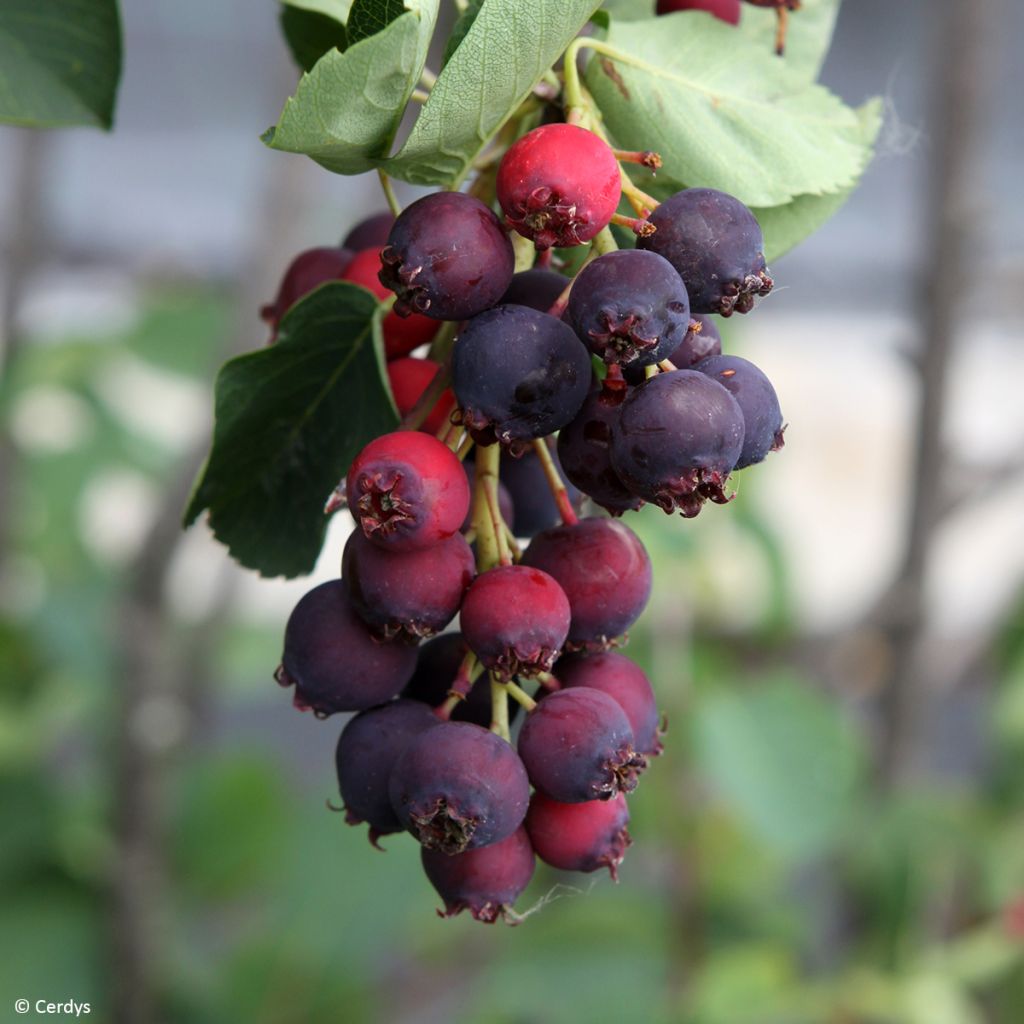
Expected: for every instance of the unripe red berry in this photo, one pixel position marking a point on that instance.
(310, 269)
(579, 837)
(726, 10)
(409, 378)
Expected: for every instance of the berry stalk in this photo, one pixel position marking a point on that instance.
(499, 709)
(558, 491)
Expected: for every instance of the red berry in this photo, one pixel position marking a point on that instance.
(515, 619)
(486, 882)
(407, 490)
(726, 10)
(308, 270)
(409, 378)
(559, 185)
(579, 837)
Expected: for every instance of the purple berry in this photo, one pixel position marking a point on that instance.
(534, 505)
(539, 289)
(695, 346)
(311, 268)
(579, 837)
(371, 232)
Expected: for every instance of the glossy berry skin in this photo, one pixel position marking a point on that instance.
(677, 439)
(436, 668)
(447, 257)
(409, 378)
(584, 448)
(605, 572)
(715, 244)
(486, 882)
(459, 787)
(407, 490)
(753, 391)
(333, 661)
(539, 289)
(308, 270)
(371, 232)
(367, 750)
(559, 185)
(624, 681)
(515, 619)
(518, 374)
(695, 346)
(577, 745)
(401, 334)
(630, 307)
(725, 10)
(579, 837)
(407, 594)
(532, 501)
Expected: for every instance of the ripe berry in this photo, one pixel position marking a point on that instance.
(626, 683)
(367, 750)
(753, 391)
(308, 270)
(407, 594)
(577, 745)
(407, 490)
(715, 244)
(459, 787)
(539, 289)
(695, 346)
(584, 450)
(333, 660)
(605, 572)
(630, 307)
(726, 10)
(677, 439)
(559, 185)
(515, 619)
(409, 378)
(534, 505)
(371, 232)
(401, 334)
(447, 257)
(518, 374)
(579, 837)
(486, 882)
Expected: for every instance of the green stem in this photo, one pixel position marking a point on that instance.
(561, 495)
(499, 710)
(389, 193)
(520, 696)
(488, 553)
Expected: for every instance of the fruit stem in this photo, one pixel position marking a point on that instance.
(648, 158)
(513, 545)
(667, 366)
(499, 710)
(548, 681)
(604, 241)
(561, 495)
(389, 193)
(421, 410)
(419, 96)
(575, 104)
(525, 253)
(650, 371)
(488, 473)
(465, 447)
(428, 79)
(638, 225)
(488, 551)
(641, 202)
(520, 696)
(469, 672)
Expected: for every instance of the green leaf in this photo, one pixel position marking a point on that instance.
(310, 35)
(724, 112)
(368, 17)
(346, 111)
(462, 26)
(807, 38)
(507, 49)
(290, 419)
(60, 61)
(784, 760)
(336, 9)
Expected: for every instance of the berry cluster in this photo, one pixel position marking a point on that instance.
(668, 419)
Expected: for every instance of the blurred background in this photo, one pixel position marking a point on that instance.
(835, 832)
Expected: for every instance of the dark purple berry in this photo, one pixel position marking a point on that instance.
(695, 346)
(516, 620)
(626, 683)
(332, 659)
(367, 750)
(447, 257)
(309, 269)
(630, 307)
(605, 572)
(579, 837)
(371, 232)
(539, 289)
(584, 448)
(486, 882)
(518, 374)
(407, 490)
(753, 391)
(408, 594)
(459, 787)
(577, 745)
(677, 439)
(534, 505)
(715, 244)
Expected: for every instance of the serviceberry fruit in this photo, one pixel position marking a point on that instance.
(485, 881)
(516, 620)
(308, 270)
(407, 594)
(539, 289)
(447, 257)
(677, 439)
(409, 378)
(333, 660)
(753, 391)
(559, 185)
(630, 307)
(458, 787)
(579, 837)
(624, 681)
(407, 490)
(715, 244)
(605, 572)
(367, 750)
(726, 10)
(702, 339)
(371, 232)
(534, 507)
(518, 374)
(577, 745)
